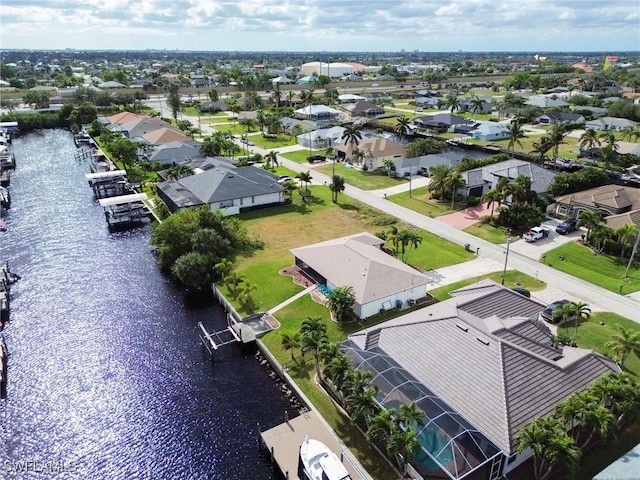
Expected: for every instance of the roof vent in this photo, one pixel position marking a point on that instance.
(483, 340)
(462, 327)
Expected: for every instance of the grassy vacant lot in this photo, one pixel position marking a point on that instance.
(488, 233)
(513, 279)
(420, 201)
(603, 270)
(363, 180)
(300, 156)
(269, 143)
(286, 227)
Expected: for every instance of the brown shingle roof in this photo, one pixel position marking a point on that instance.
(611, 196)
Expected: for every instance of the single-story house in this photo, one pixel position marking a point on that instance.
(490, 131)
(379, 280)
(417, 165)
(307, 79)
(363, 108)
(140, 126)
(173, 153)
(593, 111)
(289, 123)
(165, 135)
(618, 204)
(282, 80)
(318, 112)
(441, 121)
(376, 151)
(322, 138)
(212, 107)
(610, 123)
(466, 103)
(481, 180)
(223, 187)
(111, 84)
(544, 101)
(481, 367)
(554, 118)
(124, 117)
(428, 102)
(349, 97)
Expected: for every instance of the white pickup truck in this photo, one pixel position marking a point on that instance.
(536, 233)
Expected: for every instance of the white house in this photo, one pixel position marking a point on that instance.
(379, 280)
(322, 138)
(317, 112)
(490, 131)
(609, 123)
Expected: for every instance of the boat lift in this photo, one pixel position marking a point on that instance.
(125, 209)
(214, 340)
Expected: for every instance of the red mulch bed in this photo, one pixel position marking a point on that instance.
(298, 277)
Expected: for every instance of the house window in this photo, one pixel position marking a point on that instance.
(241, 201)
(253, 200)
(562, 210)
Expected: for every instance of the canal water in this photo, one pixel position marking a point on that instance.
(107, 379)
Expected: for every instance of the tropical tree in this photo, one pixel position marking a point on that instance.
(452, 102)
(402, 445)
(410, 415)
(402, 127)
(272, 160)
(340, 302)
(179, 171)
(314, 338)
(589, 139)
(608, 152)
(453, 182)
(304, 178)
(591, 219)
(173, 100)
(223, 267)
(245, 296)
(551, 446)
(515, 132)
(493, 197)
(233, 281)
(625, 232)
(476, 105)
(362, 403)
(439, 173)
(406, 239)
(352, 135)
(338, 371)
(556, 138)
(390, 166)
(337, 187)
(382, 426)
(291, 342)
(312, 324)
(624, 343)
(540, 149)
(630, 133)
(580, 311)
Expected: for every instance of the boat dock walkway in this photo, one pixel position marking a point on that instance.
(283, 442)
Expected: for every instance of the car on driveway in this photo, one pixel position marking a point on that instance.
(547, 313)
(567, 226)
(284, 179)
(536, 233)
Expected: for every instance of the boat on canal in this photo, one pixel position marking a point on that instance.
(318, 462)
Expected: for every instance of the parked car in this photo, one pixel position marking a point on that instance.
(567, 226)
(419, 110)
(547, 313)
(522, 291)
(536, 233)
(284, 179)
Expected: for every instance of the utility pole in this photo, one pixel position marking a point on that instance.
(633, 253)
(506, 257)
(410, 171)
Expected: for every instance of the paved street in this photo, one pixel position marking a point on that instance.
(522, 256)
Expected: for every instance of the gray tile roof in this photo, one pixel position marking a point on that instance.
(540, 177)
(497, 373)
(220, 184)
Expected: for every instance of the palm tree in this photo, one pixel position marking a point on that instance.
(625, 232)
(402, 127)
(540, 149)
(272, 160)
(589, 139)
(608, 152)
(556, 138)
(402, 445)
(491, 197)
(452, 102)
(453, 182)
(352, 135)
(314, 341)
(551, 446)
(629, 132)
(245, 295)
(411, 414)
(341, 302)
(337, 187)
(391, 236)
(515, 132)
(581, 311)
(590, 219)
(277, 95)
(390, 166)
(305, 178)
(476, 105)
(178, 171)
(439, 175)
(361, 403)
(291, 342)
(312, 324)
(338, 371)
(223, 267)
(233, 281)
(598, 421)
(624, 343)
(381, 427)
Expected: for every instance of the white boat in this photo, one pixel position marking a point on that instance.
(320, 463)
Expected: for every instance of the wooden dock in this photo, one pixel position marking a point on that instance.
(283, 444)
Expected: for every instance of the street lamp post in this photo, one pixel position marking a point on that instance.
(506, 257)
(410, 192)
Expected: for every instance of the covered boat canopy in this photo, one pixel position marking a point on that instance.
(123, 199)
(105, 175)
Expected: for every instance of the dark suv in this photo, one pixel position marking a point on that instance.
(547, 313)
(567, 226)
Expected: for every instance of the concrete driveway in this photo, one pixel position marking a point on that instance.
(535, 250)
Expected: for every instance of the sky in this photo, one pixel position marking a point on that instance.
(322, 25)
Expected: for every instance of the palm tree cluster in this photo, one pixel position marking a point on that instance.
(593, 414)
(340, 302)
(624, 343)
(549, 142)
(573, 310)
(445, 182)
(517, 191)
(403, 240)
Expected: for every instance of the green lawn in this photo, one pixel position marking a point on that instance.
(603, 270)
(300, 156)
(270, 143)
(235, 128)
(363, 180)
(420, 201)
(513, 279)
(488, 233)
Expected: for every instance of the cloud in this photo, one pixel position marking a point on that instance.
(302, 24)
